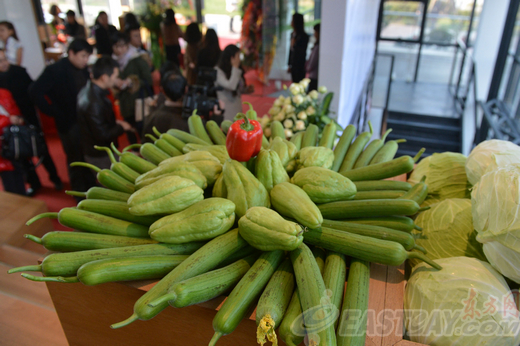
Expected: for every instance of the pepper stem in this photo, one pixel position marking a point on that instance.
(246, 125)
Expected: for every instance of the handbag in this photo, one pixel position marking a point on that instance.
(23, 142)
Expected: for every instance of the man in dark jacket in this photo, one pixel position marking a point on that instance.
(95, 113)
(55, 93)
(15, 79)
(72, 27)
(103, 33)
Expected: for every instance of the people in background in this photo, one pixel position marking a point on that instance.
(134, 33)
(231, 7)
(169, 114)
(17, 81)
(171, 33)
(298, 52)
(130, 21)
(209, 53)
(103, 32)
(230, 78)
(10, 43)
(312, 64)
(11, 172)
(96, 117)
(193, 38)
(72, 27)
(136, 79)
(55, 11)
(55, 93)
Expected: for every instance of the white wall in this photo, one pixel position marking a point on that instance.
(486, 45)
(21, 14)
(348, 38)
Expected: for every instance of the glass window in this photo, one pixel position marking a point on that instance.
(91, 9)
(64, 6)
(402, 20)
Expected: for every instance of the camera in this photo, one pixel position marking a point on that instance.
(203, 95)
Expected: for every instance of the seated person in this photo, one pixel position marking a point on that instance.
(169, 114)
(95, 113)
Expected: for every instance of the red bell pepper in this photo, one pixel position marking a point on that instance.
(244, 139)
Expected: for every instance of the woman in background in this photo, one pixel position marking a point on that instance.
(312, 64)
(209, 53)
(171, 33)
(13, 48)
(230, 78)
(193, 38)
(298, 53)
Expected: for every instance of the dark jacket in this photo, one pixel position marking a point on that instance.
(297, 56)
(135, 67)
(103, 38)
(75, 30)
(165, 118)
(58, 85)
(96, 119)
(18, 81)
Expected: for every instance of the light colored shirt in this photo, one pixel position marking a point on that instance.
(231, 95)
(11, 49)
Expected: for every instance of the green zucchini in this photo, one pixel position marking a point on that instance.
(67, 264)
(175, 142)
(310, 136)
(201, 261)
(353, 326)
(119, 167)
(153, 154)
(206, 286)
(400, 223)
(379, 194)
(217, 136)
(115, 209)
(418, 192)
(296, 139)
(355, 149)
(368, 208)
(342, 147)
(79, 241)
(197, 128)
(334, 275)
(87, 221)
(364, 248)
(277, 130)
(101, 193)
(311, 288)
(370, 151)
(403, 238)
(328, 136)
(133, 161)
(387, 152)
(245, 293)
(371, 185)
(186, 137)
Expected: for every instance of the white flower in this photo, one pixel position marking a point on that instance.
(264, 120)
(281, 98)
(290, 115)
(278, 103)
(274, 110)
(287, 101)
(289, 109)
(280, 116)
(313, 95)
(297, 100)
(300, 125)
(267, 132)
(288, 123)
(302, 115)
(288, 133)
(305, 83)
(295, 89)
(310, 110)
(322, 89)
(308, 99)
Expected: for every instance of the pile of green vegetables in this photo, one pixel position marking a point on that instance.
(277, 229)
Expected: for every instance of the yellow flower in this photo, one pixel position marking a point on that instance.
(279, 117)
(302, 115)
(297, 100)
(278, 103)
(300, 125)
(322, 89)
(287, 101)
(288, 133)
(289, 109)
(267, 132)
(264, 121)
(305, 83)
(288, 124)
(295, 89)
(274, 110)
(313, 95)
(310, 110)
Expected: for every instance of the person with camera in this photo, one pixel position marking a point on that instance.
(11, 172)
(231, 82)
(95, 113)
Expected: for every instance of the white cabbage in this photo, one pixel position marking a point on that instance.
(447, 231)
(445, 176)
(503, 259)
(467, 303)
(490, 155)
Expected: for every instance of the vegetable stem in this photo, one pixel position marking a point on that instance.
(126, 322)
(215, 338)
(420, 248)
(112, 145)
(425, 259)
(108, 151)
(35, 268)
(132, 146)
(152, 137)
(41, 216)
(157, 133)
(419, 154)
(87, 165)
(72, 279)
(163, 299)
(76, 193)
(33, 238)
